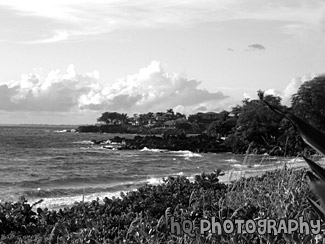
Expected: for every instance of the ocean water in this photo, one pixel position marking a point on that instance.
(64, 167)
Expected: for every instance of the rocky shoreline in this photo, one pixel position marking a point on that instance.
(199, 143)
(195, 143)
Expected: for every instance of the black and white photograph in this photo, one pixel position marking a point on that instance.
(159, 121)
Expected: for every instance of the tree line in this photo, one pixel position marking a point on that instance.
(250, 125)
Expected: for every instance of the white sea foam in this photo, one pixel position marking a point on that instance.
(55, 203)
(83, 142)
(295, 160)
(231, 160)
(60, 131)
(145, 149)
(154, 181)
(187, 154)
(238, 165)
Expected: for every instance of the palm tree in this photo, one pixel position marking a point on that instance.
(123, 118)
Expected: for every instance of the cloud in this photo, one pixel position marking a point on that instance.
(59, 35)
(291, 88)
(201, 109)
(256, 46)
(151, 89)
(57, 92)
(230, 49)
(94, 17)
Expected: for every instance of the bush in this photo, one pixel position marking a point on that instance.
(143, 216)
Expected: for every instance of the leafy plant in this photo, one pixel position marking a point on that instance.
(316, 139)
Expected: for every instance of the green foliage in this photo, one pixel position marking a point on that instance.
(309, 102)
(289, 139)
(256, 124)
(260, 131)
(256, 128)
(113, 118)
(111, 222)
(316, 139)
(223, 125)
(186, 126)
(143, 216)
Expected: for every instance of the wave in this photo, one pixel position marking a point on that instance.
(55, 203)
(231, 160)
(78, 180)
(238, 165)
(295, 160)
(182, 153)
(65, 130)
(187, 153)
(60, 131)
(55, 199)
(145, 149)
(61, 192)
(154, 181)
(83, 142)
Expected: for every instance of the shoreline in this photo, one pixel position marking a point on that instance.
(230, 177)
(237, 169)
(146, 202)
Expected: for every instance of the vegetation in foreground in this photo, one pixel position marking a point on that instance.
(143, 216)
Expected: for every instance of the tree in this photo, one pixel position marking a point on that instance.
(309, 102)
(223, 125)
(170, 111)
(113, 118)
(193, 118)
(186, 126)
(179, 115)
(256, 125)
(123, 118)
(144, 119)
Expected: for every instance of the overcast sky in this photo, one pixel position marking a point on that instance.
(68, 61)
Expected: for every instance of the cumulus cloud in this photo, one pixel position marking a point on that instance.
(291, 88)
(57, 92)
(201, 109)
(150, 89)
(256, 46)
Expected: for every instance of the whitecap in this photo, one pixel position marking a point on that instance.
(238, 165)
(231, 160)
(187, 153)
(145, 149)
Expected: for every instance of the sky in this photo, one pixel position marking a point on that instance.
(68, 61)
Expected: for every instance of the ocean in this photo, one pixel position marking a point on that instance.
(63, 167)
